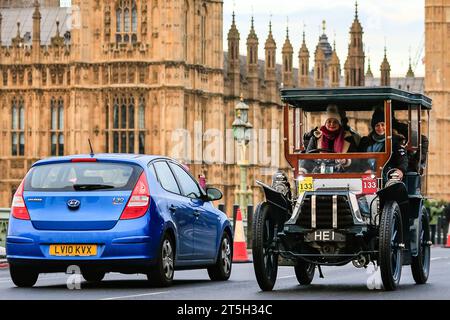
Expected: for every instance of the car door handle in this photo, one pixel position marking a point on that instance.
(196, 213)
(172, 208)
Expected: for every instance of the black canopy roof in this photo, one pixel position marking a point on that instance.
(353, 98)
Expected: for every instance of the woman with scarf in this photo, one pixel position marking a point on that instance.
(332, 136)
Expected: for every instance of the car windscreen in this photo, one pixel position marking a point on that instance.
(83, 176)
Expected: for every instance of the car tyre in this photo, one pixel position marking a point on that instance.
(390, 257)
(221, 270)
(265, 260)
(161, 275)
(420, 265)
(23, 277)
(93, 275)
(304, 271)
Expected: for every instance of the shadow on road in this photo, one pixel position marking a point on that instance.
(123, 284)
(334, 291)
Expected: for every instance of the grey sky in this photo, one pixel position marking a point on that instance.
(400, 23)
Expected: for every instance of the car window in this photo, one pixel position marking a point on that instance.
(152, 169)
(82, 176)
(188, 185)
(165, 177)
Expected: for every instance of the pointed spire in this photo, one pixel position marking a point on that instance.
(18, 29)
(356, 10)
(233, 33)
(410, 73)
(270, 42)
(57, 40)
(324, 26)
(369, 73)
(252, 35)
(17, 40)
(287, 27)
(57, 28)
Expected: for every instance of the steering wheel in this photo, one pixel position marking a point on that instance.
(320, 150)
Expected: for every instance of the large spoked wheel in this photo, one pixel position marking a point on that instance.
(265, 260)
(304, 272)
(221, 271)
(161, 275)
(23, 277)
(420, 265)
(390, 251)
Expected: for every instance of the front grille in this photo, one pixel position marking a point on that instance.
(324, 212)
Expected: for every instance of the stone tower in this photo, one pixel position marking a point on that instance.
(354, 66)
(303, 70)
(234, 71)
(252, 63)
(320, 67)
(437, 87)
(334, 69)
(385, 70)
(270, 66)
(287, 52)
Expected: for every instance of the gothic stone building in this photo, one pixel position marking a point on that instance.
(149, 76)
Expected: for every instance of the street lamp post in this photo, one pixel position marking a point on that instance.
(242, 133)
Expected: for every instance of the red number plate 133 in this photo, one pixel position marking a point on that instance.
(369, 185)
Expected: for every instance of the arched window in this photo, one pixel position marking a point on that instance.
(134, 21)
(119, 20)
(57, 127)
(17, 127)
(128, 124)
(126, 21)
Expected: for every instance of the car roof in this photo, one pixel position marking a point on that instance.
(119, 157)
(353, 98)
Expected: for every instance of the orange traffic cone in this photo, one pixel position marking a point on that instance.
(239, 246)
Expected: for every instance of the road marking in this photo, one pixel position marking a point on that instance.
(286, 277)
(437, 258)
(136, 295)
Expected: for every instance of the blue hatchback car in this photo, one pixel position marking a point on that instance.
(115, 213)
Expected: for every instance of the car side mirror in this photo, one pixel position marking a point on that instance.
(213, 194)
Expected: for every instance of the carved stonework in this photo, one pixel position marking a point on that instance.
(144, 19)
(107, 23)
(17, 164)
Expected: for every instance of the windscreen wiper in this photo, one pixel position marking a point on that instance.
(89, 187)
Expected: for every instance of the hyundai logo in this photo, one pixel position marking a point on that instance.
(73, 204)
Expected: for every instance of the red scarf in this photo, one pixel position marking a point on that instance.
(336, 136)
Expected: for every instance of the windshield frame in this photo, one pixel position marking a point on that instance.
(295, 156)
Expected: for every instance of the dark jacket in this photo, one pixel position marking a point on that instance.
(399, 158)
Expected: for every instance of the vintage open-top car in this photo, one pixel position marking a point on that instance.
(353, 206)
